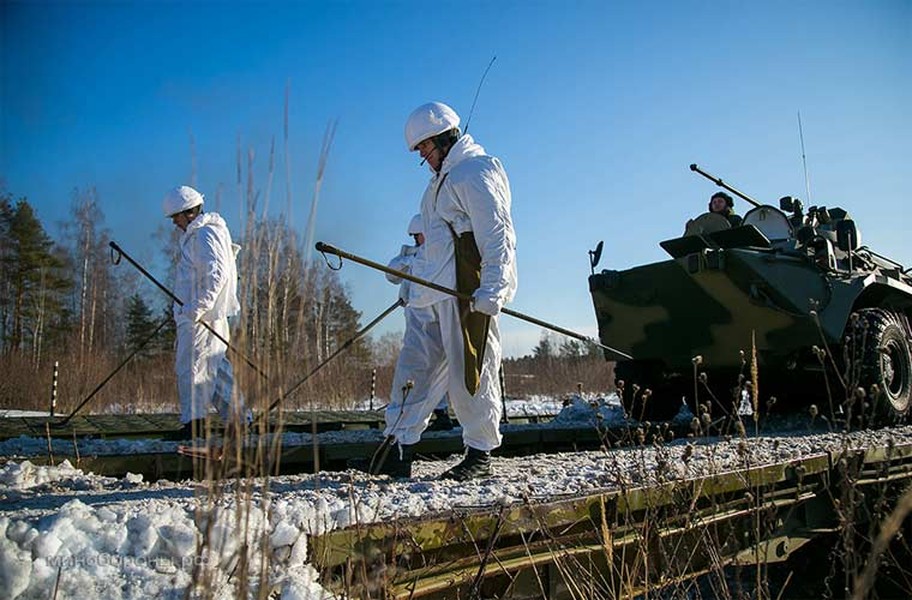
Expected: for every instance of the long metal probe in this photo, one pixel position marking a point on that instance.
(358, 334)
(179, 302)
(326, 248)
(104, 382)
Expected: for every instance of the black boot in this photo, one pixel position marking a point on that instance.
(475, 465)
(387, 460)
(442, 420)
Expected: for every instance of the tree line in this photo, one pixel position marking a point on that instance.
(66, 301)
(558, 367)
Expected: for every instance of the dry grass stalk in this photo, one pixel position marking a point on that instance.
(47, 433)
(76, 448)
(755, 382)
(889, 529)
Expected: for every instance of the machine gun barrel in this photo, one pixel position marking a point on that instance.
(718, 181)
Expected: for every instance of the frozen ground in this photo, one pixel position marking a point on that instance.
(99, 537)
(26, 447)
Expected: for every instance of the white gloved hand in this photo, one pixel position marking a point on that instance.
(402, 262)
(484, 304)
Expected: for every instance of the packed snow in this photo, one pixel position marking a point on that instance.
(100, 537)
(10, 413)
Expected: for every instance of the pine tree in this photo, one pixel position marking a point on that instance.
(167, 336)
(545, 349)
(140, 325)
(36, 281)
(6, 279)
(570, 348)
(593, 350)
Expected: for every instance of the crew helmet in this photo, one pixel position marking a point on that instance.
(429, 120)
(180, 199)
(415, 225)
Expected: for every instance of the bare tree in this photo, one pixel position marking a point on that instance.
(96, 298)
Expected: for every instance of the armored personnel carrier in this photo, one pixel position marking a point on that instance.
(825, 317)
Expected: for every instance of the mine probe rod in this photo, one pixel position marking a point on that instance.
(718, 181)
(111, 375)
(326, 248)
(179, 302)
(358, 335)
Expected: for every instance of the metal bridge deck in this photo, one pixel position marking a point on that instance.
(158, 425)
(618, 544)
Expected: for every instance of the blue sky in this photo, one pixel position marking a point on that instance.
(595, 108)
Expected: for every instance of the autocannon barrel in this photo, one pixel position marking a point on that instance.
(718, 181)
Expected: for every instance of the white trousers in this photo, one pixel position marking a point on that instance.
(204, 373)
(432, 357)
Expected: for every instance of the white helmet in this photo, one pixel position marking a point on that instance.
(429, 120)
(180, 199)
(415, 225)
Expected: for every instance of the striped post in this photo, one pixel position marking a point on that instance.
(54, 388)
(373, 387)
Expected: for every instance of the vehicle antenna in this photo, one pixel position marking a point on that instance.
(807, 181)
(478, 91)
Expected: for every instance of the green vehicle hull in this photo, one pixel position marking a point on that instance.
(724, 296)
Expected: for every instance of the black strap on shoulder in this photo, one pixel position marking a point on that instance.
(474, 325)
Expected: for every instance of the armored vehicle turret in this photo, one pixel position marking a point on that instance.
(826, 317)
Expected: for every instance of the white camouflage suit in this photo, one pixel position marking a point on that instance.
(207, 286)
(415, 317)
(470, 193)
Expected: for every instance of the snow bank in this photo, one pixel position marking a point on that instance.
(153, 541)
(102, 537)
(534, 406)
(11, 413)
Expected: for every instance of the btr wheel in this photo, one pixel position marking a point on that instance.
(880, 345)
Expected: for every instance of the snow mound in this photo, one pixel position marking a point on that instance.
(535, 406)
(596, 411)
(25, 475)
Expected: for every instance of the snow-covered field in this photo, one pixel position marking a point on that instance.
(97, 537)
